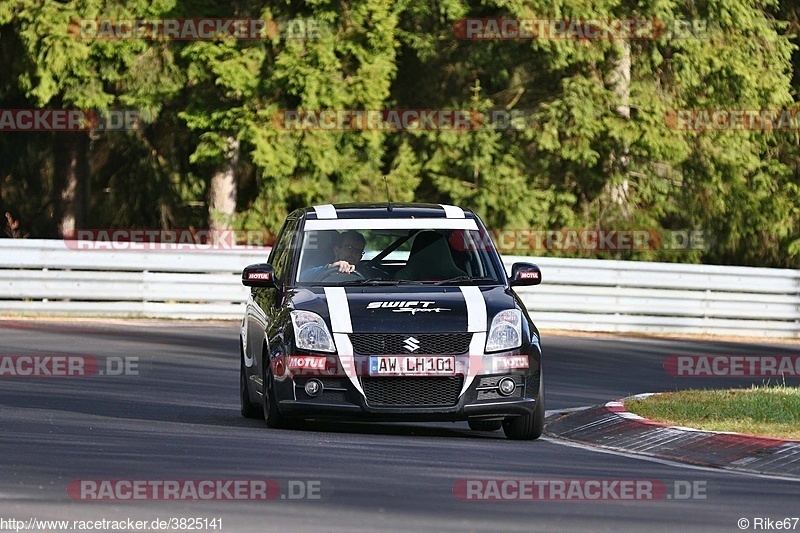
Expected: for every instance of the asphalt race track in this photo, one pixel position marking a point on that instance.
(175, 416)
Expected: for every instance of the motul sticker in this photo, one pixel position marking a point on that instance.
(306, 362)
(512, 361)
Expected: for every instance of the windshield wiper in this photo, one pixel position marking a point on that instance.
(375, 281)
(459, 279)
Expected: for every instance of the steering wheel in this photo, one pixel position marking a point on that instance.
(330, 273)
(368, 269)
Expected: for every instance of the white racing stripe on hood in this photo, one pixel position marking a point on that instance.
(338, 310)
(476, 324)
(476, 309)
(345, 349)
(341, 324)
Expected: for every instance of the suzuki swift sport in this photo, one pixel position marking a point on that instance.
(390, 312)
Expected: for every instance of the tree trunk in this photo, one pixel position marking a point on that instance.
(620, 78)
(620, 81)
(71, 181)
(222, 191)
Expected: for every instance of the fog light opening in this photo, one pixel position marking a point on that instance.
(313, 387)
(506, 386)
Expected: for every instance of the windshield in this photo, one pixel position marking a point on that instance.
(409, 253)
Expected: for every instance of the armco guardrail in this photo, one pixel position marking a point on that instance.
(48, 278)
(630, 296)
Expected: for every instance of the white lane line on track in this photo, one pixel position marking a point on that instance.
(661, 461)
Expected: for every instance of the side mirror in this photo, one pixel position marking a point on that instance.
(260, 275)
(525, 274)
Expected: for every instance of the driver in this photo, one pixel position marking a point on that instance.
(347, 251)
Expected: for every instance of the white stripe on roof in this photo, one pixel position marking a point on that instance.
(452, 211)
(326, 211)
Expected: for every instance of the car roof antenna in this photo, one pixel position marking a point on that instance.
(388, 196)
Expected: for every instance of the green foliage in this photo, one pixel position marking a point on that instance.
(599, 149)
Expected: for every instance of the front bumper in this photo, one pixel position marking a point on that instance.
(409, 399)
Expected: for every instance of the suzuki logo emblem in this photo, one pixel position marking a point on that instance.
(411, 344)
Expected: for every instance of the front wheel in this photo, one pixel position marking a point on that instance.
(249, 409)
(270, 406)
(527, 427)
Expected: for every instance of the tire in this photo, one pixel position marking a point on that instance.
(271, 414)
(249, 409)
(485, 425)
(527, 427)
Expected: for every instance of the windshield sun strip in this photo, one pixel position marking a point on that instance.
(391, 223)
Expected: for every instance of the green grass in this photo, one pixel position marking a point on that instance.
(770, 411)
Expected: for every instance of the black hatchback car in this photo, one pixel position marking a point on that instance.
(391, 312)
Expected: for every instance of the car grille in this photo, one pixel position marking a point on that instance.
(413, 392)
(394, 344)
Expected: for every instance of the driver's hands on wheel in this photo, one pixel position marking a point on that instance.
(346, 254)
(343, 266)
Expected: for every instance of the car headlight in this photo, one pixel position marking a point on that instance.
(311, 333)
(506, 331)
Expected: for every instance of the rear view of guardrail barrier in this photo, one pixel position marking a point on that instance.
(43, 277)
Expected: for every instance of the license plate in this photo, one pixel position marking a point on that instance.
(404, 365)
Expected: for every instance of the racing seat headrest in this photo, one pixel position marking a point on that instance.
(430, 259)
